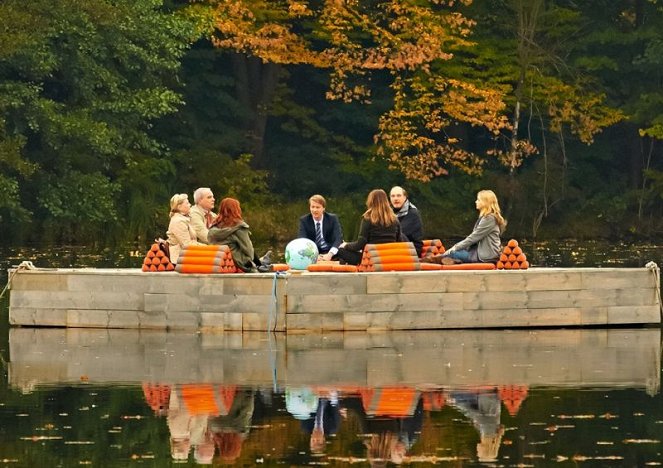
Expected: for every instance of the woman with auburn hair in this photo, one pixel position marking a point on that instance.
(229, 228)
(180, 233)
(379, 225)
(483, 244)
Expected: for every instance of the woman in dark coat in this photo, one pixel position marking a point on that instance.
(379, 225)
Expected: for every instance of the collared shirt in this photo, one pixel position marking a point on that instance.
(332, 250)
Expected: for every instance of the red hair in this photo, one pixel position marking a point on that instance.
(230, 213)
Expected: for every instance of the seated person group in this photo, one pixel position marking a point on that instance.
(382, 222)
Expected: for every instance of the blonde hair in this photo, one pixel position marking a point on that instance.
(379, 210)
(319, 199)
(176, 201)
(491, 206)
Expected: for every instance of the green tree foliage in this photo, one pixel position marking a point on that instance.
(80, 84)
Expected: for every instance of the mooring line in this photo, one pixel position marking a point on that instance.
(24, 265)
(657, 281)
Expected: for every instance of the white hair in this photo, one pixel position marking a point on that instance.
(200, 193)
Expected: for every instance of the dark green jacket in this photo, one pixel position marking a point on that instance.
(238, 239)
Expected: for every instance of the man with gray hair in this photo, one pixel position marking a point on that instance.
(201, 213)
(412, 228)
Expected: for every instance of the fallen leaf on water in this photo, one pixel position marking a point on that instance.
(608, 416)
(137, 416)
(36, 438)
(604, 442)
(641, 441)
(576, 416)
(78, 442)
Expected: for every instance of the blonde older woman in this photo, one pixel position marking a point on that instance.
(180, 233)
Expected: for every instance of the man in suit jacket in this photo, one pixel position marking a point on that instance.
(331, 234)
(411, 226)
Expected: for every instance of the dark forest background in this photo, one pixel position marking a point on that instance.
(108, 108)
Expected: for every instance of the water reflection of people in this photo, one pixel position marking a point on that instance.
(483, 407)
(229, 430)
(392, 417)
(319, 415)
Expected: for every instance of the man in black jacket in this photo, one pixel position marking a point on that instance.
(322, 228)
(411, 226)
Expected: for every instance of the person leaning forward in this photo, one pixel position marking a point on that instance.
(327, 224)
(412, 228)
(201, 213)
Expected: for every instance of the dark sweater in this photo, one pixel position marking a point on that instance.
(412, 227)
(375, 234)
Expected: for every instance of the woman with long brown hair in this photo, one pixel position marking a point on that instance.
(379, 225)
(229, 228)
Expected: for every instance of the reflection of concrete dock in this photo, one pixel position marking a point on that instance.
(558, 358)
(544, 297)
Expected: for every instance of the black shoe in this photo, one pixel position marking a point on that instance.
(266, 259)
(264, 269)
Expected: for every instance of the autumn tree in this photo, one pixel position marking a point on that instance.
(359, 41)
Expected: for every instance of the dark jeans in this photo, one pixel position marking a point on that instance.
(349, 256)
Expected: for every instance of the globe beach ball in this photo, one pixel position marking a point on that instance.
(300, 253)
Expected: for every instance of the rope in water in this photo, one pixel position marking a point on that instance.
(24, 265)
(271, 327)
(657, 279)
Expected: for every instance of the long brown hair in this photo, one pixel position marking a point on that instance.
(230, 213)
(379, 210)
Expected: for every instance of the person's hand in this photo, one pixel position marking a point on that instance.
(343, 244)
(326, 257)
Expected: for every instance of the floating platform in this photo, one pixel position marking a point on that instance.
(570, 358)
(315, 302)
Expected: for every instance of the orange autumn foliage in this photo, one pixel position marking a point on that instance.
(355, 39)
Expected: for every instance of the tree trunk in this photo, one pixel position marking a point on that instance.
(255, 85)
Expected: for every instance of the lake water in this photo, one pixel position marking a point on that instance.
(587, 397)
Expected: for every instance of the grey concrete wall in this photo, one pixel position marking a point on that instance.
(126, 298)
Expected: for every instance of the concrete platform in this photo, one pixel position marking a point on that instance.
(305, 302)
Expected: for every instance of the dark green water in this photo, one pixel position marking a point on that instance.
(492, 398)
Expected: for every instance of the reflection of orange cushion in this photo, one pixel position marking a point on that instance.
(207, 398)
(199, 399)
(393, 402)
(157, 396)
(513, 396)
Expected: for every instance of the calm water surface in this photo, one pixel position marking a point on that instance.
(448, 398)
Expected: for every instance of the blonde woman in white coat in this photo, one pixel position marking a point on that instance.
(180, 233)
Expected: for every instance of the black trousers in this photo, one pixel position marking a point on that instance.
(350, 257)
